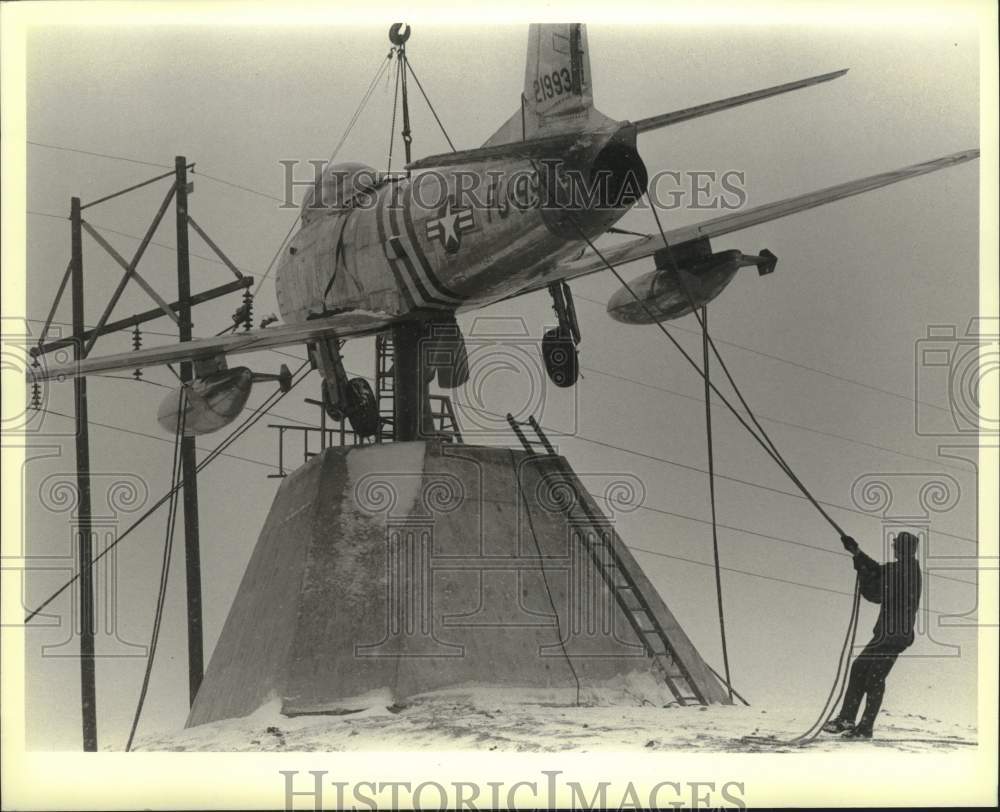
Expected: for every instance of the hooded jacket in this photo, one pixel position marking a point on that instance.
(896, 587)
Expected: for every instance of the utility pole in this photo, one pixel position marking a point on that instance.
(85, 542)
(189, 461)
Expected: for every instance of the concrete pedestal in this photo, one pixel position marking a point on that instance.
(405, 568)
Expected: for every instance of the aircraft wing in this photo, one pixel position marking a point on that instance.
(644, 247)
(349, 324)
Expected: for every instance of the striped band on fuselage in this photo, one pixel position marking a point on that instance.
(424, 264)
(404, 257)
(404, 289)
(398, 253)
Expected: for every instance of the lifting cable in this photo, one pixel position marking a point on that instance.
(840, 678)
(392, 126)
(707, 337)
(722, 398)
(402, 66)
(168, 545)
(711, 499)
(444, 132)
(255, 416)
(383, 65)
(764, 440)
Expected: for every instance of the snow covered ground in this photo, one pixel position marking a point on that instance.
(487, 720)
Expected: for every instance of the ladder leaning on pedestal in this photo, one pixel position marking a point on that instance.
(597, 537)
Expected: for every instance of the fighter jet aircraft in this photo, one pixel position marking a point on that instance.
(461, 230)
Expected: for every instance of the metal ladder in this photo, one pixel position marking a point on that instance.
(596, 535)
(442, 411)
(446, 419)
(385, 391)
(638, 612)
(530, 445)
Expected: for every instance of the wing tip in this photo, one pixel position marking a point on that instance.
(960, 157)
(827, 77)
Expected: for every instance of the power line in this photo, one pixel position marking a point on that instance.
(645, 507)
(761, 353)
(639, 549)
(651, 457)
(172, 388)
(167, 335)
(233, 436)
(110, 230)
(778, 539)
(159, 439)
(270, 265)
(660, 554)
(626, 379)
(347, 131)
(229, 183)
(746, 482)
(794, 363)
(780, 422)
(761, 575)
(125, 159)
(98, 154)
(761, 436)
(695, 468)
(757, 431)
(364, 101)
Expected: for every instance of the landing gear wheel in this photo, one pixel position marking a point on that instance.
(363, 408)
(560, 357)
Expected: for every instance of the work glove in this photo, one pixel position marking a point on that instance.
(849, 544)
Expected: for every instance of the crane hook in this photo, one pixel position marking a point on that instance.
(399, 33)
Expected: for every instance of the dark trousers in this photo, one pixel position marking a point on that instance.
(868, 674)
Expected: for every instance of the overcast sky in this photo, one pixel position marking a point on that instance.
(820, 344)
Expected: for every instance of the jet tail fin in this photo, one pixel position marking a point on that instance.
(558, 91)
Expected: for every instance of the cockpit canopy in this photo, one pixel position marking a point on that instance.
(341, 187)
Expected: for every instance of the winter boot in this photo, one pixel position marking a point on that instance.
(838, 725)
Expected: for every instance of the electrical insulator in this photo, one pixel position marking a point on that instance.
(136, 344)
(36, 389)
(247, 310)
